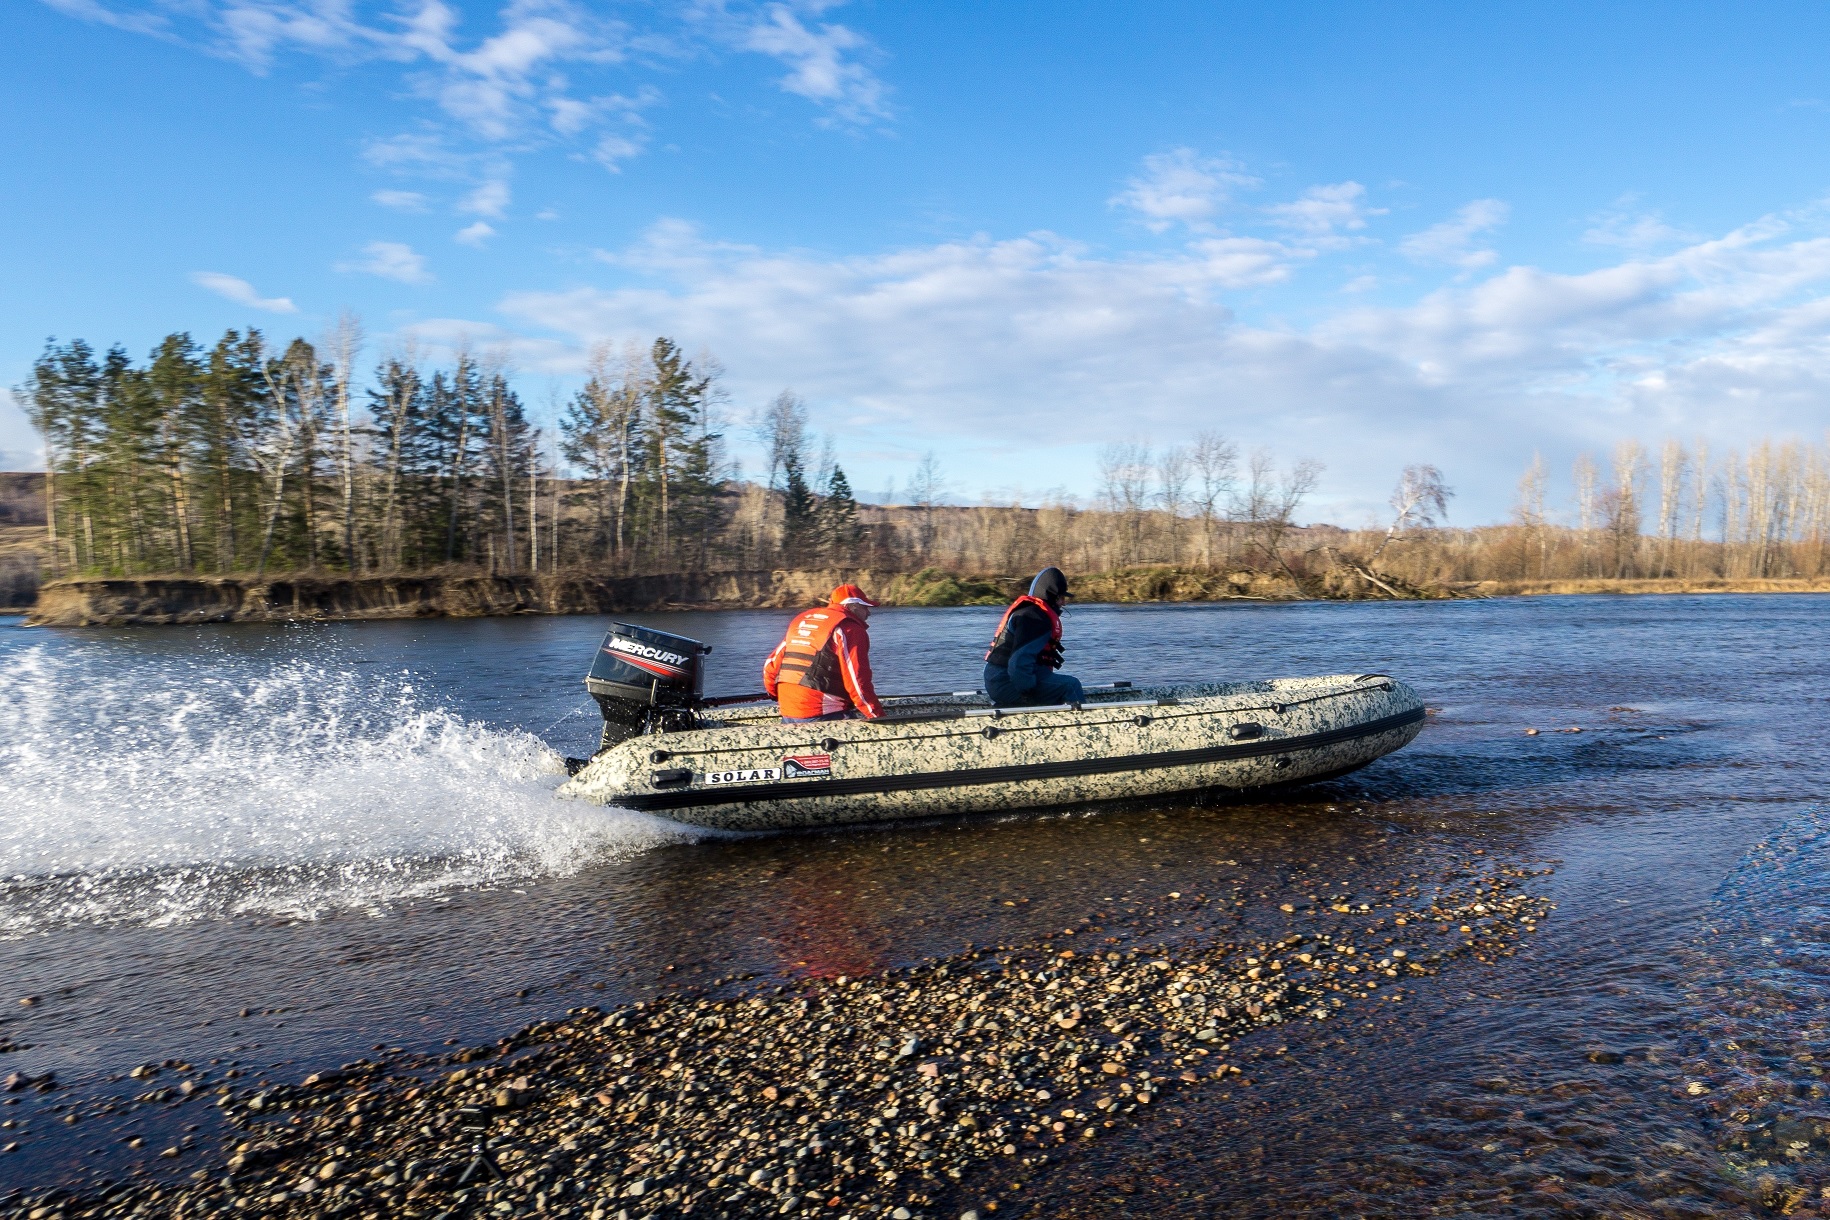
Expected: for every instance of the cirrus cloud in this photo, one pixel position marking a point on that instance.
(240, 291)
(391, 260)
(1453, 240)
(533, 77)
(823, 63)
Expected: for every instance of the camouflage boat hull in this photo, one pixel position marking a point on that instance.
(955, 754)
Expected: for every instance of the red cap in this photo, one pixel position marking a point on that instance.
(849, 595)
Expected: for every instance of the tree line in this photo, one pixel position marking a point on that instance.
(1677, 512)
(1684, 512)
(245, 457)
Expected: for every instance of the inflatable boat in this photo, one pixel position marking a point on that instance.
(731, 764)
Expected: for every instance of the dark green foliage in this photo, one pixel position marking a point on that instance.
(232, 461)
(838, 520)
(646, 437)
(800, 526)
(237, 459)
(933, 587)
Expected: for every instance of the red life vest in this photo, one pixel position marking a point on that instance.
(1000, 650)
(806, 661)
(823, 665)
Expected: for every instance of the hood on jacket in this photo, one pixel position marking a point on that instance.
(1050, 586)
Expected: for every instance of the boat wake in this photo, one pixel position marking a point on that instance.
(189, 790)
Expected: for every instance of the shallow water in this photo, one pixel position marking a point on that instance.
(347, 833)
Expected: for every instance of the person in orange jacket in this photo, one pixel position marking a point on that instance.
(822, 668)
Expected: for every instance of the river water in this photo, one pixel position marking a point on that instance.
(269, 850)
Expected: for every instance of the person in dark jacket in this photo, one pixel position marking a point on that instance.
(1021, 667)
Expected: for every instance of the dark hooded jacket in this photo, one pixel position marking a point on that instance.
(1029, 636)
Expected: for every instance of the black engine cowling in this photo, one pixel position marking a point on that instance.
(646, 680)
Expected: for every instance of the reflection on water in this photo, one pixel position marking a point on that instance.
(352, 823)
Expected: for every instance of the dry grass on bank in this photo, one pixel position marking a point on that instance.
(1422, 572)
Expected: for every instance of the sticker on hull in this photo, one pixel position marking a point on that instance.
(807, 766)
(743, 775)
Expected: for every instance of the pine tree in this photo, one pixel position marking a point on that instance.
(508, 441)
(838, 519)
(174, 378)
(126, 453)
(397, 404)
(678, 443)
(63, 398)
(800, 529)
(232, 402)
(454, 419)
(597, 435)
(309, 383)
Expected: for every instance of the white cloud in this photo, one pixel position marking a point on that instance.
(426, 154)
(241, 292)
(1183, 187)
(982, 342)
(1453, 242)
(475, 235)
(1325, 211)
(823, 67)
(499, 87)
(151, 23)
(490, 199)
(533, 77)
(547, 214)
(613, 150)
(1624, 227)
(441, 338)
(251, 31)
(400, 201)
(570, 115)
(391, 260)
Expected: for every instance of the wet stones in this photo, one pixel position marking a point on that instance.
(18, 1082)
(866, 1096)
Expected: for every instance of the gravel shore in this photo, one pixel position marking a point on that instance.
(931, 1091)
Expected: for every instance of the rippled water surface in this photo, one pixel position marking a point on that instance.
(269, 850)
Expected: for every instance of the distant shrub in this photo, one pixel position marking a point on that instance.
(933, 587)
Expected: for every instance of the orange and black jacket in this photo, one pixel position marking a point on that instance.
(822, 665)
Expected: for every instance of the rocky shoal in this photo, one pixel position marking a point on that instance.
(884, 1096)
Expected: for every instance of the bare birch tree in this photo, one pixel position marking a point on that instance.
(1216, 462)
(1671, 471)
(1528, 510)
(1420, 500)
(1172, 475)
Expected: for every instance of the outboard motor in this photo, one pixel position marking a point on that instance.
(646, 680)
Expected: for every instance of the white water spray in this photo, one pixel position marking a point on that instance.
(187, 787)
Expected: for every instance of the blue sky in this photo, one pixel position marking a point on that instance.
(1367, 234)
